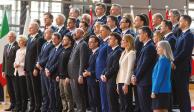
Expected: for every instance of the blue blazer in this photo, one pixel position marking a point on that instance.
(53, 61)
(44, 54)
(91, 80)
(145, 64)
(119, 19)
(102, 20)
(176, 31)
(161, 82)
(172, 40)
(183, 52)
(63, 31)
(117, 30)
(130, 32)
(104, 50)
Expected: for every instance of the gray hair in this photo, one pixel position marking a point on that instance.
(176, 13)
(35, 24)
(159, 16)
(62, 16)
(167, 49)
(13, 33)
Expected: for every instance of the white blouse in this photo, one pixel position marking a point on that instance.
(126, 67)
(20, 59)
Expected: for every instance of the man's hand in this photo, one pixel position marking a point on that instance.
(133, 80)
(57, 78)
(80, 80)
(35, 72)
(67, 81)
(173, 66)
(38, 66)
(47, 72)
(86, 73)
(153, 95)
(3, 74)
(103, 78)
(125, 89)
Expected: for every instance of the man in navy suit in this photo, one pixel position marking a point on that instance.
(90, 75)
(40, 66)
(125, 26)
(110, 72)
(143, 72)
(112, 22)
(182, 63)
(100, 10)
(51, 72)
(48, 20)
(116, 11)
(101, 59)
(60, 20)
(166, 30)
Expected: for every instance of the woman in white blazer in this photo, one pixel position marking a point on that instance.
(126, 67)
(20, 79)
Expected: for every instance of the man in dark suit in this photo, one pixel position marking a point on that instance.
(40, 66)
(75, 13)
(182, 63)
(48, 20)
(60, 20)
(166, 30)
(71, 26)
(110, 72)
(33, 49)
(8, 69)
(143, 72)
(116, 11)
(156, 21)
(100, 10)
(90, 75)
(112, 22)
(77, 64)
(125, 26)
(51, 71)
(87, 33)
(174, 16)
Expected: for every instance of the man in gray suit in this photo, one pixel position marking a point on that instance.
(77, 64)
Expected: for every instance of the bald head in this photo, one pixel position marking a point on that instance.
(78, 33)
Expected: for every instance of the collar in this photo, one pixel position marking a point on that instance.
(94, 50)
(101, 16)
(174, 25)
(72, 30)
(146, 42)
(11, 44)
(125, 31)
(49, 41)
(113, 29)
(105, 39)
(166, 35)
(115, 47)
(60, 27)
(58, 46)
(157, 27)
(78, 41)
(185, 30)
(33, 36)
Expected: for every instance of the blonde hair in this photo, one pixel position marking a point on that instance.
(130, 40)
(22, 38)
(167, 49)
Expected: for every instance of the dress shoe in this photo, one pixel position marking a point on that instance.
(9, 109)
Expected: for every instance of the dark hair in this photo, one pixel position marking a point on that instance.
(146, 23)
(70, 38)
(143, 18)
(106, 27)
(96, 39)
(72, 19)
(168, 23)
(128, 20)
(147, 30)
(37, 20)
(117, 36)
(49, 15)
(187, 18)
(102, 5)
(113, 18)
(85, 23)
(176, 13)
(57, 35)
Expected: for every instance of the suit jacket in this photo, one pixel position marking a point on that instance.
(161, 76)
(102, 20)
(9, 58)
(145, 64)
(91, 80)
(112, 66)
(77, 23)
(53, 61)
(138, 47)
(126, 67)
(177, 31)
(33, 49)
(63, 31)
(119, 18)
(44, 54)
(183, 52)
(63, 62)
(129, 32)
(78, 60)
(172, 40)
(104, 50)
(117, 30)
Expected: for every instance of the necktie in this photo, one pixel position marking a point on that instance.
(8, 49)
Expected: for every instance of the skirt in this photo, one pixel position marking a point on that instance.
(162, 101)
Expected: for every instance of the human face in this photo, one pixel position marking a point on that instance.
(160, 50)
(154, 21)
(124, 43)
(66, 41)
(155, 38)
(110, 23)
(81, 25)
(47, 20)
(96, 29)
(182, 23)
(70, 24)
(172, 18)
(137, 22)
(123, 24)
(99, 11)
(114, 11)
(163, 29)
(21, 43)
(142, 36)
(55, 40)
(11, 37)
(112, 41)
(92, 43)
(32, 29)
(103, 32)
(78, 34)
(47, 34)
(59, 20)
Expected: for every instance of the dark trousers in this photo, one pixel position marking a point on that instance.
(125, 99)
(78, 93)
(55, 104)
(103, 97)
(34, 91)
(144, 96)
(112, 95)
(44, 86)
(137, 107)
(11, 90)
(182, 90)
(20, 93)
(94, 97)
(1, 93)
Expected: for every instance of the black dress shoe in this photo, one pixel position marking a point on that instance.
(9, 109)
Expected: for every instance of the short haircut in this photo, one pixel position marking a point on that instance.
(70, 37)
(88, 17)
(102, 5)
(159, 16)
(22, 38)
(96, 39)
(113, 18)
(128, 20)
(147, 30)
(58, 35)
(118, 6)
(37, 20)
(106, 27)
(187, 18)
(62, 15)
(49, 15)
(72, 19)
(168, 23)
(117, 36)
(176, 13)
(76, 10)
(143, 18)
(85, 24)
